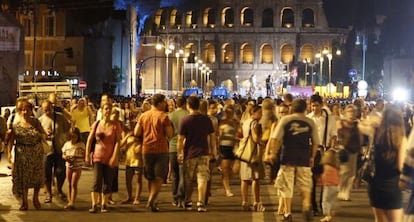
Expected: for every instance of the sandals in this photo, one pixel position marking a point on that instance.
(48, 200)
(326, 219)
(94, 209)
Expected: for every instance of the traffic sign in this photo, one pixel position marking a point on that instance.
(82, 85)
(352, 73)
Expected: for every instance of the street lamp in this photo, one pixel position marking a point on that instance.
(168, 50)
(177, 55)
(306, 71)
(364, 51)
(329, 72)
(320, 57)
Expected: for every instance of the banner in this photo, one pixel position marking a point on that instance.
(9, 38)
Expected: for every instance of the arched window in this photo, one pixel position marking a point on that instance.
(247, 16)
(194, 19)
(227, 17)
(307, 53)
(175, 18)
(227, 53)
(164, 18)
(157, 18)
(189, 48)
(209, 53)
(266, 54)
(308, 19)
(246, 52)
(191, 19)
(286, 54)
(267, 18)
(288, 18)
(209, 18)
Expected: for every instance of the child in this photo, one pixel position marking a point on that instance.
(73, 152)
(134, 166)
(330, 181)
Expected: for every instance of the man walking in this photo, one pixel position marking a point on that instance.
(326, 128)
(294, 132)
(176, 169)
(156, 129)
(56, 127)
(198, 133)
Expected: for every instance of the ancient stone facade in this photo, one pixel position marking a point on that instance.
(237, 40)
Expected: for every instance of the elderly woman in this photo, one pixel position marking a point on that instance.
(107, 134)
(28, 171)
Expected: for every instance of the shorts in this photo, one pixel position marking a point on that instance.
(134, 170)
(155, 165)
(227, 152)
(286, 177)
(251, 171)
(198, 166)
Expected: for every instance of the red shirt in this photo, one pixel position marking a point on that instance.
(153, 123)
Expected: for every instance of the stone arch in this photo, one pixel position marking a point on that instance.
(246, 54)
(267, 18)
(209, 17)
(266, 54)
(307, 53)
(287, 53)
(308, 18)
(175, 18)
(191, 19)
(287, 18)
(227, 53)
(209, 53)
(247, 16)
(227, 17)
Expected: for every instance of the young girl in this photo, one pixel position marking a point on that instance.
(74, 153)
(330, 180)
(134, 166)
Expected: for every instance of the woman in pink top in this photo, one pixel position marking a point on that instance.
(104, 156)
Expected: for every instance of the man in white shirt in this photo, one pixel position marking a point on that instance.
(327, 132)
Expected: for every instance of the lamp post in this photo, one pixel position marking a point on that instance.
(306, 71)
(329, 72)
(168, 48)
(177, 55)
(320, 57)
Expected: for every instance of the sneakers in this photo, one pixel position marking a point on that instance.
(201, 207)
(188, 205)
(258, 207)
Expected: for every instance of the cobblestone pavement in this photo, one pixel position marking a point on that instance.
(221, 208)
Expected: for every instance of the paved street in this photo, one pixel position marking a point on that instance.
(221, 208)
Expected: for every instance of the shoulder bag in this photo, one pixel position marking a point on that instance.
(248, 150)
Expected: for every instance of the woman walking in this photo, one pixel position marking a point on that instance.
(384, 193)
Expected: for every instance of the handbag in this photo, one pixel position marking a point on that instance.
(47, 147)
(93, 143)
(368, 166)
(367, 171)
(248, 150)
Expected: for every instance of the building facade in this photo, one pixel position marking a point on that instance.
(242, 42)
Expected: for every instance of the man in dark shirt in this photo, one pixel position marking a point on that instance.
(198, 133)
(295, 132)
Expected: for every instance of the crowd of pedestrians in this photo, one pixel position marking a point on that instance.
(309, 144)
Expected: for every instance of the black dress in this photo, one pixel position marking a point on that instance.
(384, 192)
